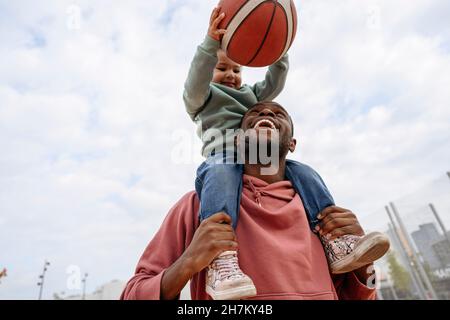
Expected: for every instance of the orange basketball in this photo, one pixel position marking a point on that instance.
(260, 32)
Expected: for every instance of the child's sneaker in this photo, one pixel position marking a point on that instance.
(349, 252)
(226, 281)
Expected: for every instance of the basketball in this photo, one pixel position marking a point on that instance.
(259, 32)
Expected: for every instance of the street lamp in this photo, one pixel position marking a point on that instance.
(84, 286)
(41, 279)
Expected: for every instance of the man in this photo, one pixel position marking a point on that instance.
(276, 246)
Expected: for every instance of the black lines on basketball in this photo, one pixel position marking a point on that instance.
(236, 13)
(267, 31)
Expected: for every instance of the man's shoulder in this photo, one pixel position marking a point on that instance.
(190, 196)
(188, 199)
(184, 211)
(188, 204)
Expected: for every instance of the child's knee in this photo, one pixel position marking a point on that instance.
(224, 171)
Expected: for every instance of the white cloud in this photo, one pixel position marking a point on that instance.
(87, 115)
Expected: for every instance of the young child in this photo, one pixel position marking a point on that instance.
(216, 99)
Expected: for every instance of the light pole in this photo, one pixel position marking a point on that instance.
(42, 278)
(410, 265)
(84, 286)
(438, 218)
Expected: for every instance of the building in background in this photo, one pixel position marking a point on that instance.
(425, 238)
(442, 250)
(109, 291)
(112, 291)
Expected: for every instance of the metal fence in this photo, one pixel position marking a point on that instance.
(418, 264)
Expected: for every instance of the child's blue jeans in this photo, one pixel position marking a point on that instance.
(219, 186)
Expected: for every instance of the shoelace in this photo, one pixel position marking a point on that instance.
(228, 267)
(340, 247)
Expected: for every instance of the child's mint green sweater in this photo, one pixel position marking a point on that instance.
(215, 106)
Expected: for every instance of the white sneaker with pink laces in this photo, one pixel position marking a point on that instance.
(226, 281)
(349, 252)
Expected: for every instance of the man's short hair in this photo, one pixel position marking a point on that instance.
(265, 103)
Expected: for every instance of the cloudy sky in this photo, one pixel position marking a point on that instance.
(95, 145)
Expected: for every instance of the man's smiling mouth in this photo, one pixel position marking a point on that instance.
(265, 123)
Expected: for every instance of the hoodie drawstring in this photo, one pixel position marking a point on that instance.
(256, 193)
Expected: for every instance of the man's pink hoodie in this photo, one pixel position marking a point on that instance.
(276, 249)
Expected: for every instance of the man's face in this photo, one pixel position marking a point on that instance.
(270, 118)
(227, 72)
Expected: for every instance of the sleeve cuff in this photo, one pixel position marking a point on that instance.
(360, 290)
(210, 45)
(151, 289)
(283, 63)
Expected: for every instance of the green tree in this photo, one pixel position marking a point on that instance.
(400, 277)
(429, 272)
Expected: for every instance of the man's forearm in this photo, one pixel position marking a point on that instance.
(175, 278)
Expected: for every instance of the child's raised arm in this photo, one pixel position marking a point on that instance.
(273, 84)
(197, 85)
